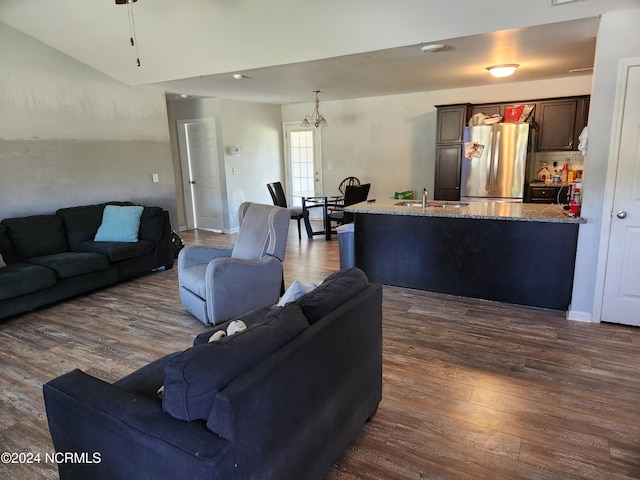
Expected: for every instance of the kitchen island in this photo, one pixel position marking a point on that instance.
(509, 252)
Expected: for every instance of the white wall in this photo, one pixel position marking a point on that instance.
(255, 129)
(390, 141)
(72, 136)
(618, 38)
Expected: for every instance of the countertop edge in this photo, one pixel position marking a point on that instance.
(520, 212)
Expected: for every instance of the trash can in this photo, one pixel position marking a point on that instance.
(346, 245)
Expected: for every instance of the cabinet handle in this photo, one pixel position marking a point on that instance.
(570, 143)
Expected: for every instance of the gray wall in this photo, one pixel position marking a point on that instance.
(255, 129)
(72, 136)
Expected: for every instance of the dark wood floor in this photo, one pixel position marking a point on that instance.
(472, 389)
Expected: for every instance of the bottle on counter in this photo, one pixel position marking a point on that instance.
(564, 175)
(556, 173)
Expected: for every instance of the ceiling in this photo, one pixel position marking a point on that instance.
(285, 49)
(543, 52)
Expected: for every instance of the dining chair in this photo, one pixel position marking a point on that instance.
(348, 181)
(280, 199)
(352, 194)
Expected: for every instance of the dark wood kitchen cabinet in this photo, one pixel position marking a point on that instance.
(451, 121)
(561, 122)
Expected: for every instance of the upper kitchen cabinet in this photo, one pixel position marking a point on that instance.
(450, 126)
(451, 122)
(488, 109)
(561, 122)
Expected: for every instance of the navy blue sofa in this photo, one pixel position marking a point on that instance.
(53, 257)
(281, 400)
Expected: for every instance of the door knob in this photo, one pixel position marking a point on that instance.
(621, 214)
(192, 182)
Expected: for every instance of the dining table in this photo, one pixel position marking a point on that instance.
(324, 202)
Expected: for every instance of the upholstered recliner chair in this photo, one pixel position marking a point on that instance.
(220, 284)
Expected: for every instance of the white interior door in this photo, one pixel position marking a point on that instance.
(200, 173)
(303, 162)
(621, 297)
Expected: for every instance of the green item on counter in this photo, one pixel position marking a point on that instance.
(406, 195)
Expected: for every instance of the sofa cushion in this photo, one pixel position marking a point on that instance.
(258, 315)
(151, 223)
(6, 249)
(119, 224)
(193, 378)
(336, 289)
(70, 264)
(2, 262)
(37, 235)
(81, 223)
(117, 251)
(21, 278)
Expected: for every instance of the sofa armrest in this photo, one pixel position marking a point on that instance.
(196, 255)
(132, 435)
(226, 301)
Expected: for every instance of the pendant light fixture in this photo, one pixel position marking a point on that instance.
(316, 119)
(132, 26)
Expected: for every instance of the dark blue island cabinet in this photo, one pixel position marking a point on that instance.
(521, 262)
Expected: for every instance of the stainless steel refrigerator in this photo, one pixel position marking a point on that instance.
(494, 161)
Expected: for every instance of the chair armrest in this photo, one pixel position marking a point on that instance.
(226, 301)
(130, 432)
(196, 255)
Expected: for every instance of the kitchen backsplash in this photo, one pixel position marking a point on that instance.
(575, 160)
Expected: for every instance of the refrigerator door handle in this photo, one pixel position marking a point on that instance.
(494, 138)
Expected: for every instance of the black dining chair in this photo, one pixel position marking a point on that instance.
(280, 199)
(352, 194)
(348, 181)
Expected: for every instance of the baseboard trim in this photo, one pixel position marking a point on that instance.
(580, 316)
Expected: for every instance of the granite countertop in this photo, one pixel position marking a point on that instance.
(524, 212)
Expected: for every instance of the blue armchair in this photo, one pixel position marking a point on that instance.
(220, 284)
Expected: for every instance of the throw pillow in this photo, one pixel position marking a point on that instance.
(119, 224)
(2, 263)
(295, 291)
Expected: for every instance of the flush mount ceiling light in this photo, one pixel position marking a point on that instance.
(434, 47)
(555, 3)
(503, 70)
(316, 119)
(132, 25)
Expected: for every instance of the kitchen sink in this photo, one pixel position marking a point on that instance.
(415, 203)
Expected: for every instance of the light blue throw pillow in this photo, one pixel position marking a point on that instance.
(119, 224)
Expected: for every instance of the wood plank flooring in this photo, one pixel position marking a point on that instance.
(472, 389)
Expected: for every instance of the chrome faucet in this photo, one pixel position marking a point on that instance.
(425, 194)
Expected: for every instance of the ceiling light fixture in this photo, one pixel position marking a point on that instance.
(316, 119)
(581, 70)
(238, 76)
(132, 26)
(434, 47)
(555, 3)
(503, 70)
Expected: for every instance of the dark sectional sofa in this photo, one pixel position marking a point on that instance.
(53, 257)
(280, 400)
